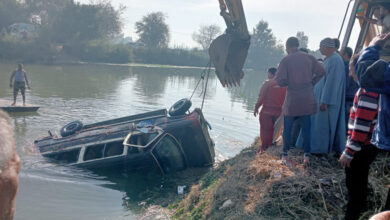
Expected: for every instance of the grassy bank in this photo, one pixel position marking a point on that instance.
(250, 186)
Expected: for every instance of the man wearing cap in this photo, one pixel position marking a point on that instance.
(328, 125)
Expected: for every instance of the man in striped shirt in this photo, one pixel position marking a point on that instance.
(359, 152)
(361, 123)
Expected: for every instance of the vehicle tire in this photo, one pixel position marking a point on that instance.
(180, 107)
(71, 128)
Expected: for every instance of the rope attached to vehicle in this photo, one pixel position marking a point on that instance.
(205, 72)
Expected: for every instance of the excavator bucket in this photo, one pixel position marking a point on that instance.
(228, 52)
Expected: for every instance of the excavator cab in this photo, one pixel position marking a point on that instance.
(228, 52)
(367, 31)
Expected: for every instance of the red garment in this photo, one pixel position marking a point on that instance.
(362, 121)
(267, 123)
(271, 98)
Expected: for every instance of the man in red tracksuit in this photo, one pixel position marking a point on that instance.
(271, 98)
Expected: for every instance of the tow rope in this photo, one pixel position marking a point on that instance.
(205, 72)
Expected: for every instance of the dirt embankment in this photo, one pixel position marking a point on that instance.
(251, 186)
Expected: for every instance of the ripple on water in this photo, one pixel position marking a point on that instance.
(92, 93)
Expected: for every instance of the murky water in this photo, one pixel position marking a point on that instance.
(92, 93)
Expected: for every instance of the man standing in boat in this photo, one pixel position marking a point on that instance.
(19, 76)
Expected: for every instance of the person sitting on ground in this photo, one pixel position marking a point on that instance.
(298, 71)
(9, 169)
(362, 147)
(271, 98)
(19, 76)
(351, 86)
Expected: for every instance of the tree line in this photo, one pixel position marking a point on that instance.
(69, 31)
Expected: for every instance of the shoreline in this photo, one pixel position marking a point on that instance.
(106, 64)
(117, 64)
(252, 186)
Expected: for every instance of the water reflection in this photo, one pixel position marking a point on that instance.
(80, 81)
(93, 93)
(248, 92)
(50, 192)
(20, 125)
(152, 188)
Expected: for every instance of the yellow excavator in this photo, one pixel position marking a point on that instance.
(228, 52)
(364, 31)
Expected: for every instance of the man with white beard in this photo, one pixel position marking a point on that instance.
(9, 169)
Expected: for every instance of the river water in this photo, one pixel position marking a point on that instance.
(95, 92)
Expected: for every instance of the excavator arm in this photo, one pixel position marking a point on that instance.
(228, 52)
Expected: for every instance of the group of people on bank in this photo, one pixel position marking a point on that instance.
(305, 93)
(341, 105)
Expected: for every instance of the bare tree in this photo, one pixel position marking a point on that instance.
(205, 35)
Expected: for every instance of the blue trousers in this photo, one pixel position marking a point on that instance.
(304, 122)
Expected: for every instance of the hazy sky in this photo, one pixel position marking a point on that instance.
(317, 18)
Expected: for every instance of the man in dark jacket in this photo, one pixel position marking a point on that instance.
(373, 76)
(377, 79)
(351, 86)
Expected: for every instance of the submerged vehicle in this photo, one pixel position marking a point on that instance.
(228, 52)
(152, 140)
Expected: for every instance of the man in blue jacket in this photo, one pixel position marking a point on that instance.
(377, 79)
(373, 75)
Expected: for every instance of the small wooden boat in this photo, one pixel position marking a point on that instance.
(5, 105)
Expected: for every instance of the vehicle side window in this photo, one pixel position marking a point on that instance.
(113, 149)
(71, 156)
(142, 139)
(169, 155)
(93, 152)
